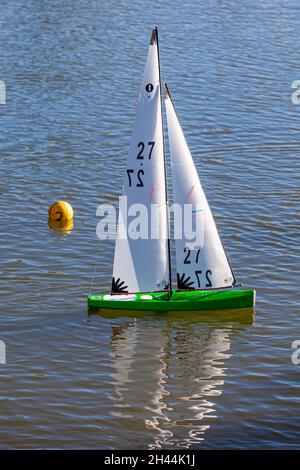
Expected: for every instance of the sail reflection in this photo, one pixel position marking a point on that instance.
(167, 378)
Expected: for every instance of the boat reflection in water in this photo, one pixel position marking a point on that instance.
(168, 372)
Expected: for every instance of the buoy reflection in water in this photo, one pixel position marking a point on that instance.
(64, 227)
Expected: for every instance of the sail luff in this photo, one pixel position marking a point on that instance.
(204, 265)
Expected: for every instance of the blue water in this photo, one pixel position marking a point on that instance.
(72, 71)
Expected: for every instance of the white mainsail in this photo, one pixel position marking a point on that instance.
(141, 265)
(204, 265)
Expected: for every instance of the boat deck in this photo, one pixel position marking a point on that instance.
(221, 299)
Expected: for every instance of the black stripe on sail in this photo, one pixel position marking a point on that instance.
(184, 282)
(168, 95)
(118, 286)
(153, 39)
(166, 90)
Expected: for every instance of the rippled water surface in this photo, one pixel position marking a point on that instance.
(72, 71)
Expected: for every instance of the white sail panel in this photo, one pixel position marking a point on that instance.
(205, 265)
(141, 265)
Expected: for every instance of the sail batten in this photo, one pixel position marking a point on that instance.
(203, 263)
(141, 264)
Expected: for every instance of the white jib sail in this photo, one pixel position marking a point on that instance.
(204, 264)
(141, 262)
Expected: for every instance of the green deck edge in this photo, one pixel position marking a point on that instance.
(185, 300)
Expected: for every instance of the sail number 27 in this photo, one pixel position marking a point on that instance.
(141, 146)
(140, 156)
(197, 273)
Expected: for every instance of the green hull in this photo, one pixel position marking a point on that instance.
(180, 301)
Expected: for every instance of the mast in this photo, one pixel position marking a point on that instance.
(155, 35)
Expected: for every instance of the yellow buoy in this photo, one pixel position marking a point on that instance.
(60, 211)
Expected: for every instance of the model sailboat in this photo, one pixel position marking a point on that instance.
(142, 278)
